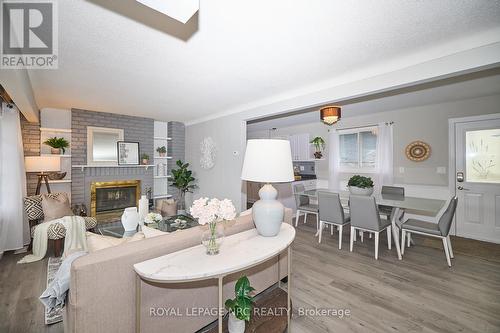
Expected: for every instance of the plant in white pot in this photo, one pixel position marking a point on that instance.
(240, 308)
(360, 185)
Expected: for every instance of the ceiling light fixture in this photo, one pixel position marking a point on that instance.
(330, 114)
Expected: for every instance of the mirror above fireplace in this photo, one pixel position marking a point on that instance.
(101, 145)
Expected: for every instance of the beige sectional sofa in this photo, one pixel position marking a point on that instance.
(102, 296)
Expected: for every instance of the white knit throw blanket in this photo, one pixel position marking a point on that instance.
(75, 238)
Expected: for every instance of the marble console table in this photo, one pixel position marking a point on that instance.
(238, 252)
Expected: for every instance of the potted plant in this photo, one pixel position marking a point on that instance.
(319, 144)
(57, 144)
(145, 159)
(360, 185)
(182, 180)
(162, 151)
(240, 308)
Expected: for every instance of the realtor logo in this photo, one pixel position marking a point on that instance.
(29, 34)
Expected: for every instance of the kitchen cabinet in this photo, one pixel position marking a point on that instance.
(300, 146)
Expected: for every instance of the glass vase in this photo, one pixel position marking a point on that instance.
(213, 238)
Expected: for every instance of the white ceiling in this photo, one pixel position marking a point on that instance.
(242, 51)
(471, 88)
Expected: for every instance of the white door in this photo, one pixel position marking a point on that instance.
(477, 180)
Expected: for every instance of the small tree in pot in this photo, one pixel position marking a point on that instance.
(182, 180)
(319, 145)
(240, 308)
(360, 185)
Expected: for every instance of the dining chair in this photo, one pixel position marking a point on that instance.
(331, 213)
(365, 216)
(304, 205)
(438, 230)
(394, 191)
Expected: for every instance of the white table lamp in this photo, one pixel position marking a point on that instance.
(268, 161)
(42, 165)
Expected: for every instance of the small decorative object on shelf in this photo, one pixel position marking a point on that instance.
(57, 145)
(211, 212)
(162, 151)
(153, 218)
(145, 159)
(240, 308)
(319, 144)
(182, 179)
(359, 185)
(56, 175)
(83, 210)
(128, 153)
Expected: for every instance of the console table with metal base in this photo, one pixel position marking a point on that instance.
(238, 252)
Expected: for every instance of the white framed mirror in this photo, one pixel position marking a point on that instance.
(101, 145)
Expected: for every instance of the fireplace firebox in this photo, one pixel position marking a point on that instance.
(109, 199)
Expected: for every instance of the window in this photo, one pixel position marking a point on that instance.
(358, 149)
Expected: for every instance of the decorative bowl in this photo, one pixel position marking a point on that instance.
(56, 175)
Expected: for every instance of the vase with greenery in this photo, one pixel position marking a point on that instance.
(182, 179)
(57, 144)
(319, 145)
(161, 151)
(145, 159)
(240, 308)
(360, 185)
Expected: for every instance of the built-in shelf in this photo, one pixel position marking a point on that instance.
(164, 157)
(162, 196)
(161, 177)
(146, 167)
(60, 130)
(60, 155)
(162, 138)
(60, 181)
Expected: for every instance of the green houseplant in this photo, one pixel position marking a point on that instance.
(319, 145)
(182, 180)
(161, 151)
(240, 308)
(57, 144)
(145, 159)
(360, 185)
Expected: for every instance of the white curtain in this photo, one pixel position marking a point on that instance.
(12, 181)
(385, 174)
(334, 161)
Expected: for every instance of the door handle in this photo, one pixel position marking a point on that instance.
(462, 188)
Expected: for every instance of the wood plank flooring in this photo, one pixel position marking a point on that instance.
(418, 294)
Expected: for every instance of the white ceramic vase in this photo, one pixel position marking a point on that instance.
(143, 209)
(268, 212)
(130, 219)
(235, 325)
(361, 191)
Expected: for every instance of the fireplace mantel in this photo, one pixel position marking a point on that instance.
(84, 166)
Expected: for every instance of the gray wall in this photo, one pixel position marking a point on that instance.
(135, 129)
(428, 123)
(175, 148)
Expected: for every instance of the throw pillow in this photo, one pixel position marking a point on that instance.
(150, 232)
(55, 207)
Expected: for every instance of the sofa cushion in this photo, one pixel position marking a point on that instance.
(151, 232)
(55, 208)
(97, 242)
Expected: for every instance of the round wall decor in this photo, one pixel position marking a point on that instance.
(418, 151)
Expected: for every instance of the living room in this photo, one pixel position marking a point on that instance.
(249, 166)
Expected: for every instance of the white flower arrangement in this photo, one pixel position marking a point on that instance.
(153, 218)
(212, 210)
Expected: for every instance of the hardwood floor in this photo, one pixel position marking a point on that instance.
(418, 294)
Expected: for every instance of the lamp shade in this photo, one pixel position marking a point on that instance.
(330, 114)
(42, 163)
(268, 161)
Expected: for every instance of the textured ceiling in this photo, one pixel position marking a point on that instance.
(121, 60)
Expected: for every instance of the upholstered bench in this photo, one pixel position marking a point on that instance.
(56, 232)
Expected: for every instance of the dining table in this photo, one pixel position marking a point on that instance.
(398, 203)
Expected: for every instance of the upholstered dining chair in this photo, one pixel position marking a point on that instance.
(331, 213)
(304, 205)
(438, 230)
(365, 216)
(394, 191)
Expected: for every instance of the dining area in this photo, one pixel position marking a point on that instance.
(367, 214)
